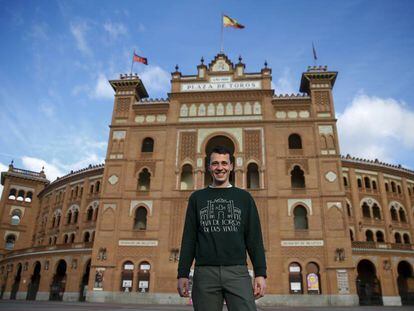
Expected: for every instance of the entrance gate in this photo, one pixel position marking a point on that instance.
(16, 284)
(83, 288)
(368, 285)
(405, 283)
(57, 288)
(33, 286)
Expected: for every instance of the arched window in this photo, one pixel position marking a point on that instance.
(351, 235)
(127, 276)
(387, 189)
(16, 216)
(374, 185)
(20, 195)
(367, 182)
(393, 188)
(409, 191)
(144, 180)
(54, 240)
(187, 178)
(366, 211)
(345, 181)
(394, 215)
(69, 217)
(401, 212)
(75, 216)
(380, 236)
(348, 209)
(53, 221)
(12, 194)
(369, 236)
(29, 196)
(98, 186)
(140, 221)
(144, 277)
(10, 241)
(147, 145)
(399, 189)
(86, 236)
(376, 211)
(89, 214)
(300, 217)
(91, 189)
(359, 182)
(295, 142)
(95, 217)
(297, 177)
(253, 180)
(58, 220)
(65, 239)
(295, 278)
(313, 279)
(72, 238)
(406, 238)
(397, 237)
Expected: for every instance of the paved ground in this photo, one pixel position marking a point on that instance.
(8, 305)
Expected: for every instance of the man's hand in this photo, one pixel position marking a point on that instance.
(182, 287)
(259, 287)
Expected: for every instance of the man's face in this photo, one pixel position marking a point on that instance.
(220, 168)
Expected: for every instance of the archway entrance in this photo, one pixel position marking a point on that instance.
(405, 283)
(368, 285)
(57, 288)
(16, 283)
(33, 286)
(83, 288)
(215, 141)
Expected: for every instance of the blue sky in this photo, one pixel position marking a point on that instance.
(56, 58)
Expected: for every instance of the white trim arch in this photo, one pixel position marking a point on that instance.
(135, 204)
(306, 203)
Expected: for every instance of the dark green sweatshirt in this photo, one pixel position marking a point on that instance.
(220, 225)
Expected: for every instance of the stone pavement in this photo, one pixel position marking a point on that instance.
(23, 305)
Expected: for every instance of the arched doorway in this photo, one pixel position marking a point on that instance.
(368, 285)
(215, 141)
(144, 277)
(33, 286)
(57, 288)
(83, 288)
(405, 283)
(16, 283)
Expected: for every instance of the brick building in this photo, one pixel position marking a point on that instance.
(337, 230)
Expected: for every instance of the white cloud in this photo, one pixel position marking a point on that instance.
(103, 89)
(78, 30)
(36, 165)
(39, 32)
(156, 80)
(373, 127)
(285, 84)
(48, 109)
(3, 168)
(115, 29)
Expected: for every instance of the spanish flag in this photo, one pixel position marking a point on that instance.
(231, 22)
(139, 59)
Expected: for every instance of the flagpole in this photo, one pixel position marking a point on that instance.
(132, 64)
(221, 41)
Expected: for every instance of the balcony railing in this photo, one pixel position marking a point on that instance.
(381, 245)
(57, 247)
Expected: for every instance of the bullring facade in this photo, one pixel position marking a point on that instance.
(337, 230)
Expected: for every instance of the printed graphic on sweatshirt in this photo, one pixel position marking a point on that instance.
(220, 215)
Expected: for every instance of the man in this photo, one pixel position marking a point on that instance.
(221, 224)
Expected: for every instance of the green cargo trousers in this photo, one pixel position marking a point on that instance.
(214, 284)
